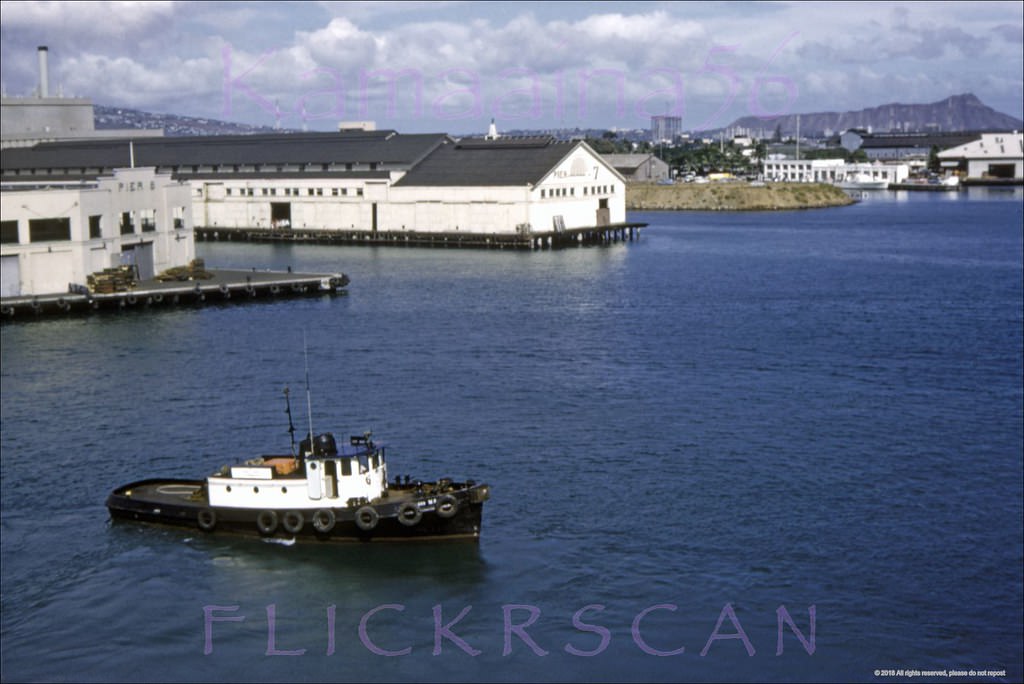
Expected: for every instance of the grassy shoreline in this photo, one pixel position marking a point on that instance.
(736, 196)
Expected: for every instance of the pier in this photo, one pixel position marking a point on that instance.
(223, 286)
(568, 237)
(925, 187)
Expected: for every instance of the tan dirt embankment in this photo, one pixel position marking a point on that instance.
(734, 196)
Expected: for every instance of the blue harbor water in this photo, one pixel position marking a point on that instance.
(735, 421)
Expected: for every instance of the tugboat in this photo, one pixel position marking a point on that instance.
(320, 493)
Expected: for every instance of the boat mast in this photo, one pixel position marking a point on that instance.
(309, 400)
(291, 425)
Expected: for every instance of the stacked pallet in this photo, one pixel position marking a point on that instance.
(110, 280)
(196, 270)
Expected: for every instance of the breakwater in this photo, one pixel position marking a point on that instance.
(733, 196)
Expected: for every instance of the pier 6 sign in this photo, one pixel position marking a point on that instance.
(513, 93)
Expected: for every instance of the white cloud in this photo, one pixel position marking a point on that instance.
(532, 61)
(87, 23)
(133, 84)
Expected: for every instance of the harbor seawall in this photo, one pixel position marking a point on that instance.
(733, 196)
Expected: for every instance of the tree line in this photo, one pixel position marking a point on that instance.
(723, 156)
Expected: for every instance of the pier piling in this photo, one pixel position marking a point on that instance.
(569, 237)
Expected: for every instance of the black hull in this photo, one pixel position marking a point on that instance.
(167, 502)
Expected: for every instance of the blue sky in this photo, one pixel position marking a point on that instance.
(451, 66)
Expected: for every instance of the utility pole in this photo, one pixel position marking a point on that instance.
(798, 137)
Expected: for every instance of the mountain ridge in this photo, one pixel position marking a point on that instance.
(963, 112)
(174, 125)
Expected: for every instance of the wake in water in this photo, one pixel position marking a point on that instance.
(282, 542)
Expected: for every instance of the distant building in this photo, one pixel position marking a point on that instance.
(992, 156)
(357, 125)
(30, 120)
(52, 236)
(638, 167)
(900, 146)
(665, 128)
(833, 171)
(25, 121)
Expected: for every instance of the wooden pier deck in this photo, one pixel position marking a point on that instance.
(221, 287)
(569, 237)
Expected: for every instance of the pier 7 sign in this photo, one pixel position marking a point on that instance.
(514, 93)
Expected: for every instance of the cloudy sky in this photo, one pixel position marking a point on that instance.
(451, 66)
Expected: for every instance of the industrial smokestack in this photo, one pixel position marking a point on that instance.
(44, 77)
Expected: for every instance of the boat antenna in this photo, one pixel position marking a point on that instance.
(288, 410)
(309, 399)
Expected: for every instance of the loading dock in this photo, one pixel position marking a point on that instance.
(281, 214)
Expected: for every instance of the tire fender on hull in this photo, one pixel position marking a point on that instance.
(266, 522)
(367, 518)
(207, 520)
(323, 520)
(293, 522)
(409, 514)
(447, 506)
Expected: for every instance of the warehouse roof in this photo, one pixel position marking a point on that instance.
(344, 147)
(628, 162)
(485, 161)
(994, 146)
(917, 140)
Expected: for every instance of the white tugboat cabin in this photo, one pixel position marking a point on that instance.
(319, 476)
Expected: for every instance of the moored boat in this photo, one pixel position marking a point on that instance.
(322, 492)
(861, 181)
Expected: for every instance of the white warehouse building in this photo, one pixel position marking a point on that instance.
(54, 235)
(360, 181)
(505, 185)
(992, 157)
(833, 171)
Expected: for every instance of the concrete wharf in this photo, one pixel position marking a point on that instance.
(223, 286)
(569, 237)
(925, 187)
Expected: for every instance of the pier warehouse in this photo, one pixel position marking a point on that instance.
(55, 235)
(504, 185)
(362, 182)
(260, 181)
(991, 157)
